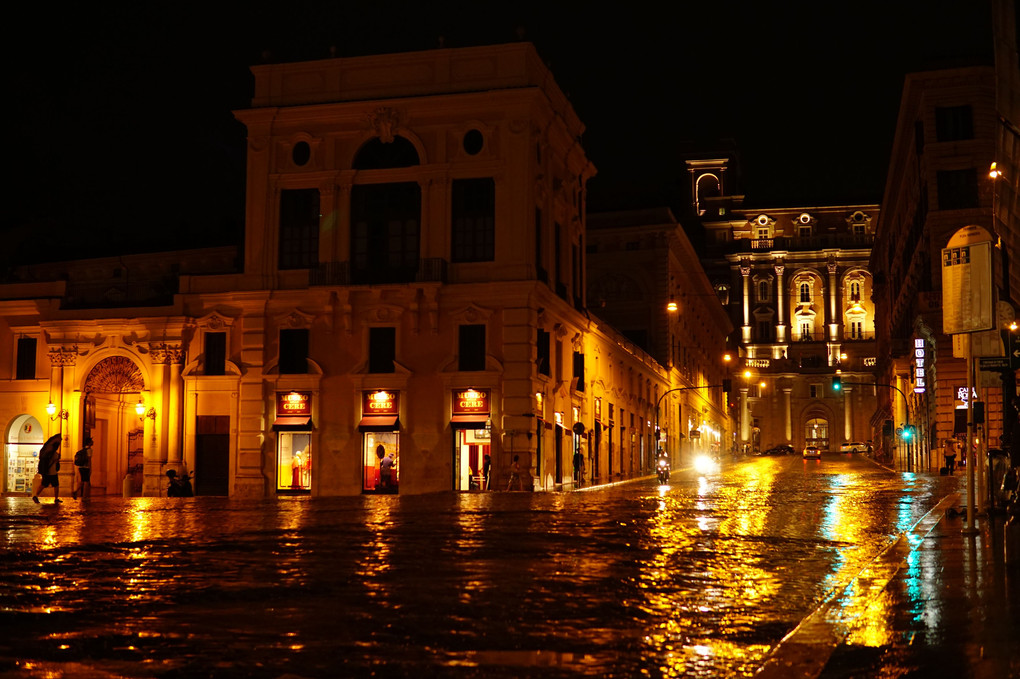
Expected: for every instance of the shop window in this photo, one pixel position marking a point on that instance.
(294, 351)
(471, 345)
(299, 228)
(385, 224)
(294, 461)
(958, 189)
(215, 351)
(473, 237)
(542, 359)
(382, 349)
(381, 455)
(953, 123)
(25, 369)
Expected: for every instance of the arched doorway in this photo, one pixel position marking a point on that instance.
(112, 389)
(816, 433)
(22, 440)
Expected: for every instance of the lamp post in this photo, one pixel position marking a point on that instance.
(658, 431)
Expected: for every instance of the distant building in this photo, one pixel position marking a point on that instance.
(938, 182)
(797, 286)
(410, 298)
(646, 280)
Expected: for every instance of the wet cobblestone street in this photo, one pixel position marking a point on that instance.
(699, 578)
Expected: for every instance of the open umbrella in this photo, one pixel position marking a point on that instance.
(52, 445)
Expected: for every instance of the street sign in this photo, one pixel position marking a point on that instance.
(994, 363)
(1013, 350)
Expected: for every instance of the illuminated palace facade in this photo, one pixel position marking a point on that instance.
(411, 286)
(798, 289)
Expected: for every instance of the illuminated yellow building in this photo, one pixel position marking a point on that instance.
(409, 298)
(797, 284)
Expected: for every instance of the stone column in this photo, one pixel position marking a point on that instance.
(745, 272)
(788, 413)
(175, 405)
(745, 417)
(780, 304)
(833, 307)
(848, 412)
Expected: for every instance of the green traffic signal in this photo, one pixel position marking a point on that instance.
(837, 383)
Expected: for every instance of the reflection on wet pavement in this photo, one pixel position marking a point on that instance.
(699, 578)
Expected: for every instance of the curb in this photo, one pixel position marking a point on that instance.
(805, 651)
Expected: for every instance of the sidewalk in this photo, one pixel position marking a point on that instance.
(952, 609)
(935, 603)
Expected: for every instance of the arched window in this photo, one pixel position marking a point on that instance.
(707, 187)
(375, 154)
(805, 292)
(816, 433)
(763, 291)
(855, 291)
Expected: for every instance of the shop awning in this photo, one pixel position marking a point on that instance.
(468, 421)
(292, 423)
(379, 423)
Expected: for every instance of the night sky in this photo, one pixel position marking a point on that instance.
(121, 136)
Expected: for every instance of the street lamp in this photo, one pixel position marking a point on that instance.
(51, 410)
(143, 413)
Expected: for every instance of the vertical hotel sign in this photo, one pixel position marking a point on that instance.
(919, 367)
(967, 293)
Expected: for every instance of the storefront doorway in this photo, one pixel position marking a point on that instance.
(22, 441)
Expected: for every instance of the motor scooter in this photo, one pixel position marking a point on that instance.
(179, 486)
(662, 470)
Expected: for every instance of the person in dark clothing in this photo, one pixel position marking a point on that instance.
(49, 466)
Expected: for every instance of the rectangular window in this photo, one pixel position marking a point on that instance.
(958, 189)
(215, 351)
(26, 358)
(561, 288)
(299, 228)
(558, 370)
(814, 390)
(385, 226)
(764, 331)
(294, 351)
(382, 349)
(953, 123)
(471, 355)
(578, 371)
(543, 275)
(542, 358)
(473, 237)
(805, 331)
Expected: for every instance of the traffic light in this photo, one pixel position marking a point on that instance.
(908, 433)
(837, 383)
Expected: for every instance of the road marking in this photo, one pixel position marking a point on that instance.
(805, 651)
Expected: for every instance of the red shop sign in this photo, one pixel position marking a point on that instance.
(293, 403)
(380, 402)
(471, 402)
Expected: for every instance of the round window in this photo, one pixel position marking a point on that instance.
(301, 153)
(473, 142)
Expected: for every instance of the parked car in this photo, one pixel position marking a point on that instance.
(782, 449)
(812, 452)
(854, 447)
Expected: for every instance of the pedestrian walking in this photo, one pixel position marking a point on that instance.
(83, 465)
(578, 468)
(49, 468)
(486, 471)
(515, 474)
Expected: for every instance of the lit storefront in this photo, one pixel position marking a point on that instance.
(380, 430)
(293, 426)
(472, 427)
(21, 451)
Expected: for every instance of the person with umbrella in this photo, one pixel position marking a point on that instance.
(49, 466)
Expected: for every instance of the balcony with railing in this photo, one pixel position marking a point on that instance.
(845, 241)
